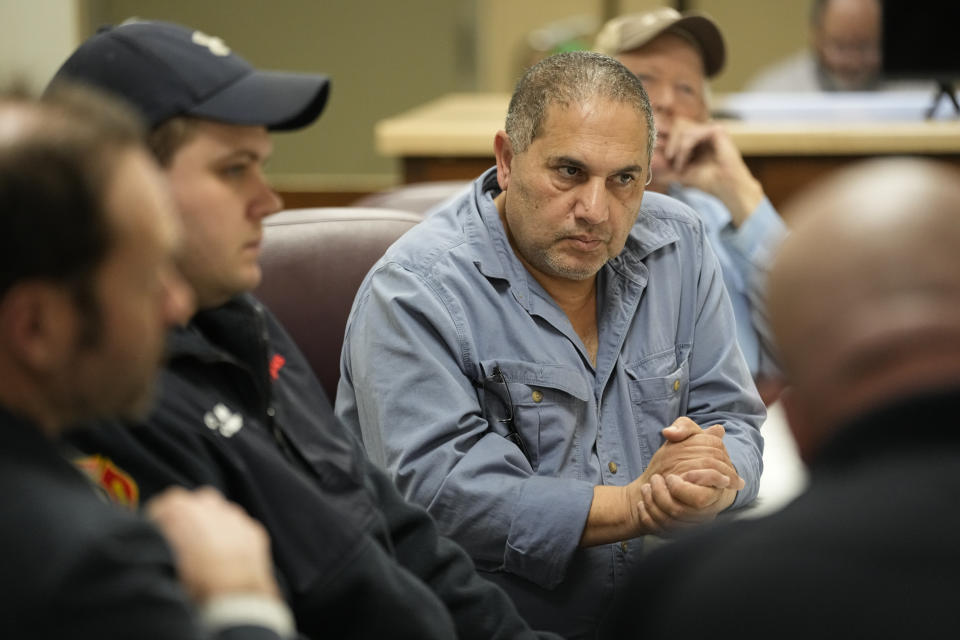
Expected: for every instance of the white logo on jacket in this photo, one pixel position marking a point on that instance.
(223, 420)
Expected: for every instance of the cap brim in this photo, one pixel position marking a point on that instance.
(278, 100)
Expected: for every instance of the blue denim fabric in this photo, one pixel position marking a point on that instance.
(450, 302)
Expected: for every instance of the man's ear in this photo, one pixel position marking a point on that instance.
(503, 150)
(38, 324)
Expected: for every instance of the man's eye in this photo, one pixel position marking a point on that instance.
(625, 179)
(569, 172)
(234, 170)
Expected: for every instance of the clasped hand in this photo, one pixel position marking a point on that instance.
(689, 479)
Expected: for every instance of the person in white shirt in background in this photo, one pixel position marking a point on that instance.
(844, 54)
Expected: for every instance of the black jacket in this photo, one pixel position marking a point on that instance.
(240, 409)
(75, 566)
(869, 550)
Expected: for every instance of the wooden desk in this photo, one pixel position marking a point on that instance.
(451, 138)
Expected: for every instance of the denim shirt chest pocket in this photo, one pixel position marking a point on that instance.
(547, 404)
(659, 392)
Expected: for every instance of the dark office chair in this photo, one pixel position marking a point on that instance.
(419, 197)
(313, 263)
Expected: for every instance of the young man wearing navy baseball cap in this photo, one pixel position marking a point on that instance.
(239, 407)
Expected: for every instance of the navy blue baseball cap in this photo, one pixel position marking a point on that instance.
(167, 70)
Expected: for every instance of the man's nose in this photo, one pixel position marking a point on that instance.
(592, 203)
(662, 98)
(266, 201)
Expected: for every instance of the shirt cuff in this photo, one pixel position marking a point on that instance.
(248, 609)
(546, 528)
(758, 237)
(749, 468)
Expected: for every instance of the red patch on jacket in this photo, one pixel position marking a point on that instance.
(116, 483)
(276, 363)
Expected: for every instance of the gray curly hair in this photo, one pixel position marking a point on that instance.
(572, 78)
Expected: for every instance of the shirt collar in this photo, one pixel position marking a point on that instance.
(494, 256)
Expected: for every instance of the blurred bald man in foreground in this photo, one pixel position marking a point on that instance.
(865, 305)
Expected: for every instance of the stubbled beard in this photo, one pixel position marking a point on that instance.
(560, 268)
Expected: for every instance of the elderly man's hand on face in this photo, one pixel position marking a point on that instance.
(689, 480)
(702, 155)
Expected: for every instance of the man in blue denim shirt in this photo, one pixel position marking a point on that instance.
(695, 161)
(535, 362)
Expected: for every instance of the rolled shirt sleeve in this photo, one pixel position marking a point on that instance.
(756, 240)
(745, 254)
(752, 247)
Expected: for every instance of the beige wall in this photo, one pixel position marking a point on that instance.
(503, 28)
(756, 32)
(384, 56)
(37, 36)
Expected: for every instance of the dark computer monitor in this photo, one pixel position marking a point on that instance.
(921, 40)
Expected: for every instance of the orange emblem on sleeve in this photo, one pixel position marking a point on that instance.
(116, 483)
